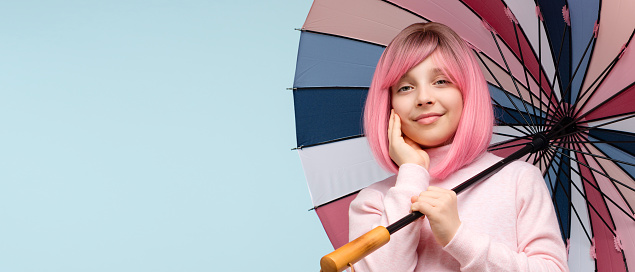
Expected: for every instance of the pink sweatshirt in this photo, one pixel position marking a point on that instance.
(507, 221)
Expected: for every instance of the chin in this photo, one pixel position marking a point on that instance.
(440, 143)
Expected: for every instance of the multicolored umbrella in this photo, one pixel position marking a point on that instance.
(554, 67)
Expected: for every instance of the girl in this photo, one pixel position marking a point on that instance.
(428, 118)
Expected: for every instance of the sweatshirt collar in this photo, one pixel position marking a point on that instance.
(437, 154)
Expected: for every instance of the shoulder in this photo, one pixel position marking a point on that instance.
(376, 190)
(523, 171)
(527, 178)
(516, 168)
(517, 175)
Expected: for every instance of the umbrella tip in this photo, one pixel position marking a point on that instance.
(510, 15)
(566, 15)
(539, 14)
(596, 28)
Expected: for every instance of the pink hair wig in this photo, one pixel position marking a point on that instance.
(409, 48)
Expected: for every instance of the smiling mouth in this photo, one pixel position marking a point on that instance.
(426, 119)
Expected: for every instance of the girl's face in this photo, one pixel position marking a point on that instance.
(428, 104)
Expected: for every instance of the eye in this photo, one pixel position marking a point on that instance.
(404, 89)
(441, 82)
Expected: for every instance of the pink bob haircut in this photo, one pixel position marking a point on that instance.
(457, 62)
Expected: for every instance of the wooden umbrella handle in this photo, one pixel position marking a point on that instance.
(355, 250)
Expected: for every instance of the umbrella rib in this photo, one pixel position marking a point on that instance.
(329, 141)
(582, 141)
(601, 157)
(539, 158)
(505, 135)
(407, 10)
(599, 191)
(601, 76)
(542, 90)
(500, 86)
(557, 72)
(534, 155)
(555, 203)
(505, 147)
(512, 116)
(569, 198)
(628, 114)
(586, 232)
(632, 114)
(583, 94)
(514, 127)
(585, 129)
(340, 36)
(506, 110)
(568, 89)
(526, 137)
(575, 210)
(548, 165)
(522, 60)
(541, 67)
(606, 172)
(557, 110)
(604, 196)
(334, 200)
(592, 142)
(514, 81)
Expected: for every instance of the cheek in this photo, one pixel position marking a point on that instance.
(456, 102)
(400, 107)
(458, 109)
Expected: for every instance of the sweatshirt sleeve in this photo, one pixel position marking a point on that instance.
(540, 245)
(372, 208)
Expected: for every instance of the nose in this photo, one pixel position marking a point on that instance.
(424, 98)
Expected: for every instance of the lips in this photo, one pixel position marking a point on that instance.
(428, 118)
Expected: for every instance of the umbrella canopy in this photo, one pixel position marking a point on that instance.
(552, 67)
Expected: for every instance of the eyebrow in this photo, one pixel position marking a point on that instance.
(436, 71)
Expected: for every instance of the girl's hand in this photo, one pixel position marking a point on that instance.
(439, 205)
(403, 149)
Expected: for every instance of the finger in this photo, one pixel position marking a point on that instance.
(391, 121)
(444, 192)
(436, 189)
(432, 194)
(423, 207)
(431, 200)
(396, 129)
(397, 124)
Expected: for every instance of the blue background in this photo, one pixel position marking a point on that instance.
(152, 136)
